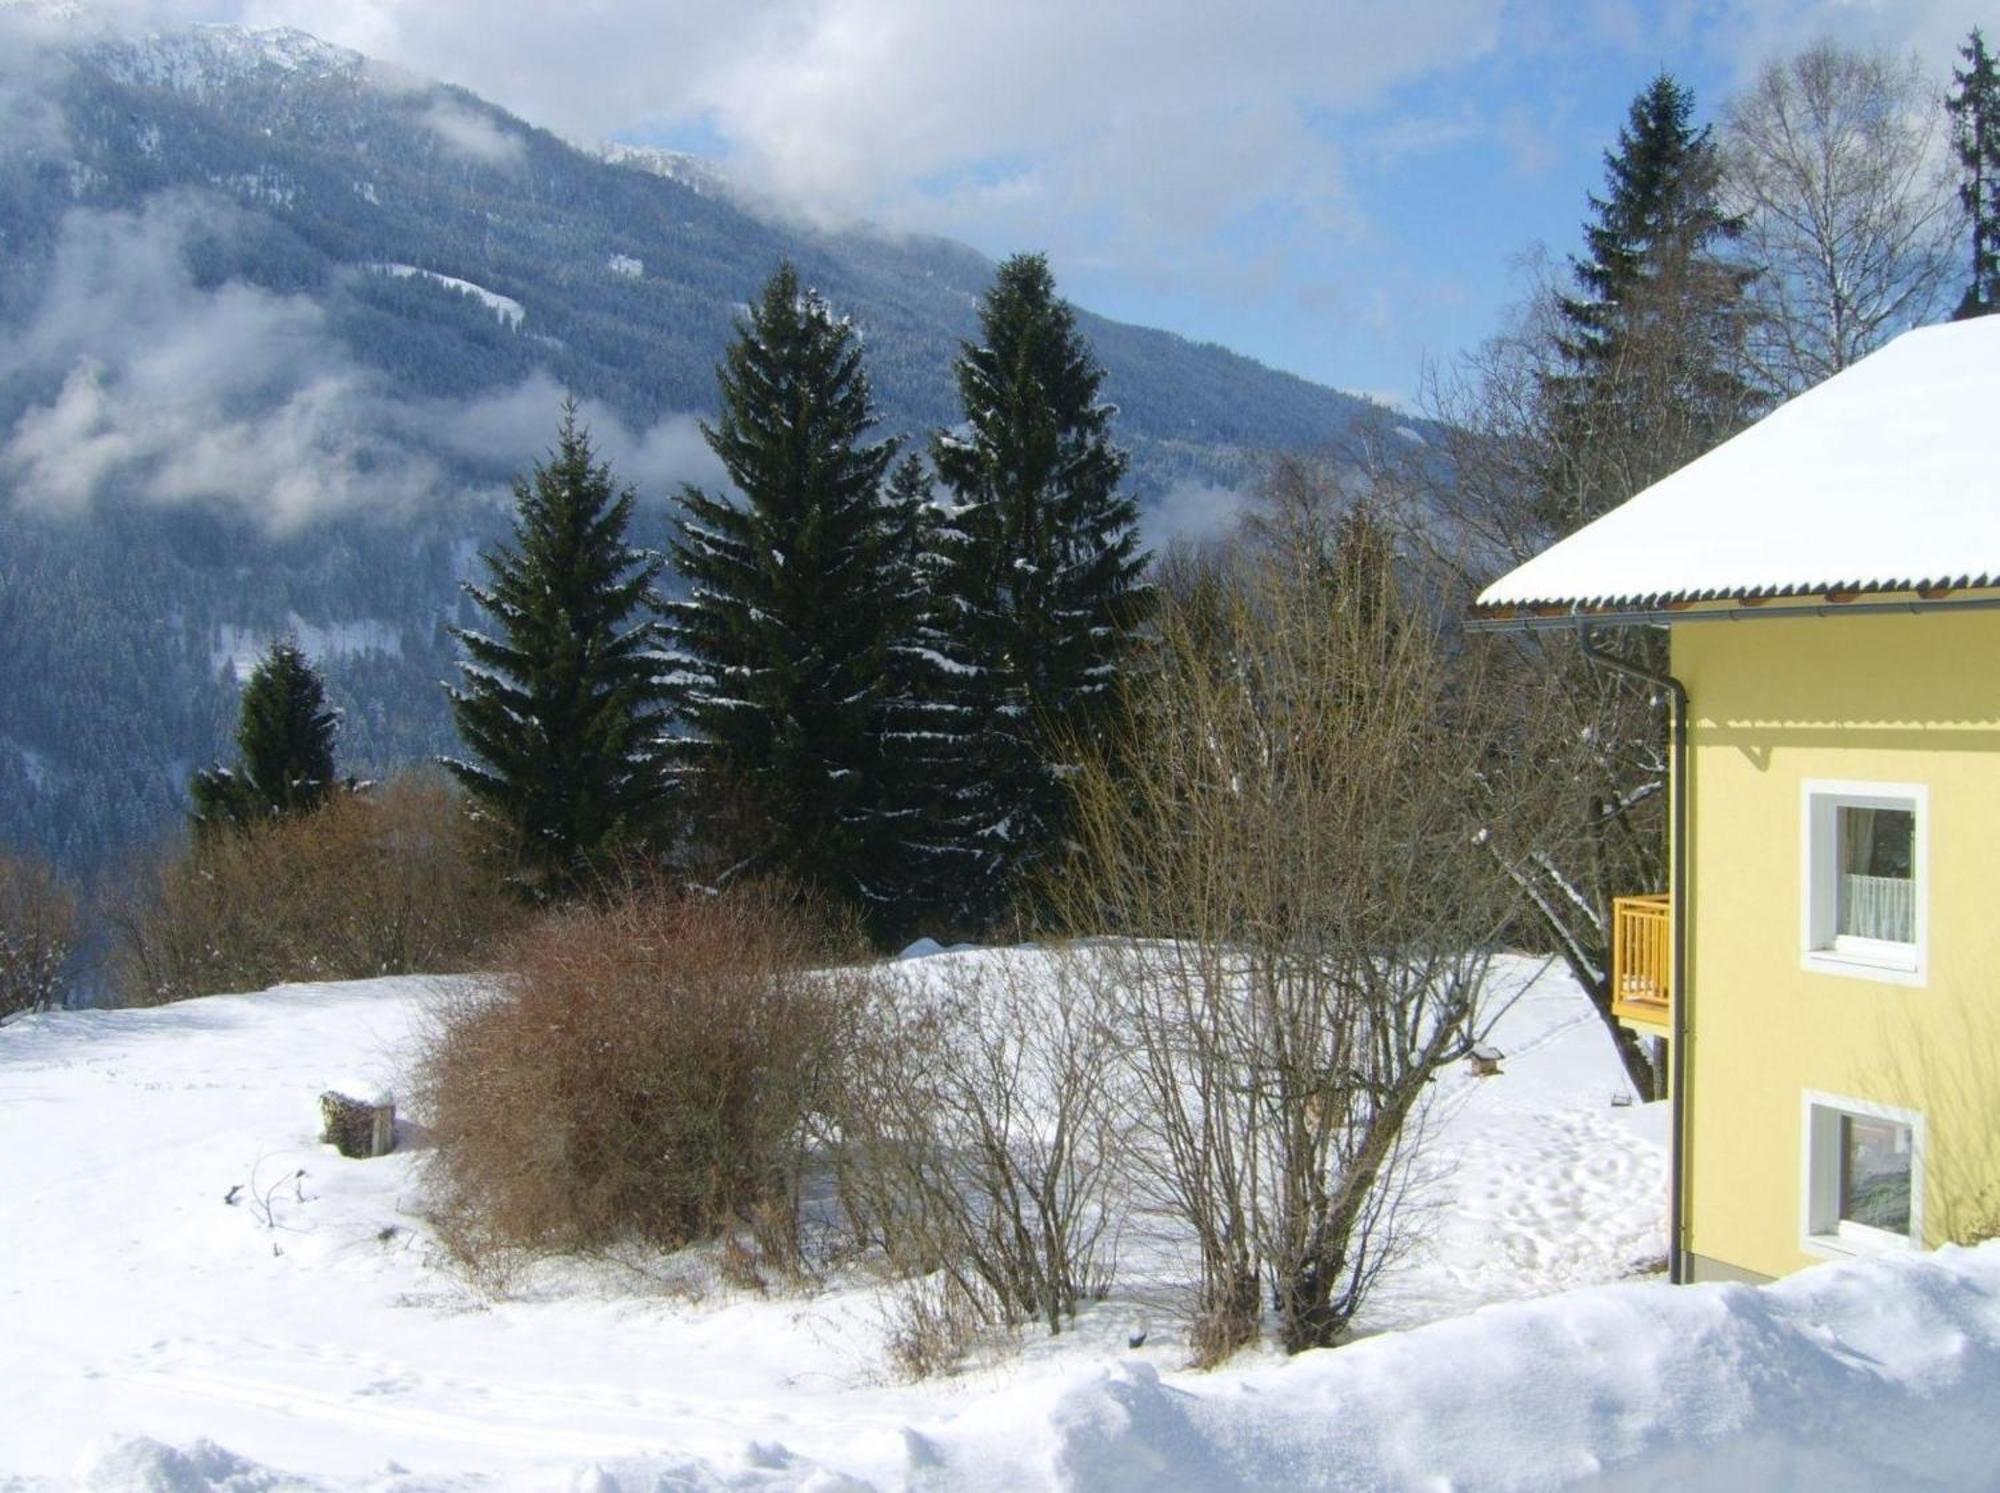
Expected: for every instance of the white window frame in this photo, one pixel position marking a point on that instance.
(1859, 958)
(1822, 1231)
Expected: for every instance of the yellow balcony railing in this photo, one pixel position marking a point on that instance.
(1642, 960)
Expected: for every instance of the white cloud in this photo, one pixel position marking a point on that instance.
(1752, 32)
(475, 136)
(236, 398)
(1128, 128)
(154, 388)
(514, 427)
(1205, 155)
(1135, 135)
(31, 122)
(1193, 513)
(178, 394)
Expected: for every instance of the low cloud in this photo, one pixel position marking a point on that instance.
(31, 121)
(175, 393)
(517, 426)
(475, 136)
(145, 386)
(1193, 513)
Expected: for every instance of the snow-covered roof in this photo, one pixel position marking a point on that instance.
(1884, 478)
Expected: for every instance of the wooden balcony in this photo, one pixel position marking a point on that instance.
(1642, 960)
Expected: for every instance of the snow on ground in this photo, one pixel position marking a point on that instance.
(155, 1334)
(505, 307)
(241, 648)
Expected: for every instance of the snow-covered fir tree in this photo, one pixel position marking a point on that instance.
(285, 740)
(1040, 585)
(562, 707)
(797, 584)
(920, 722)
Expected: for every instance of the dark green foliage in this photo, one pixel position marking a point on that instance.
(563, 709)
(285, 741)
(781, 648)
(1660, 211)
(1040, 586)
(1651, 344)
(1974, 106)
(919, 720)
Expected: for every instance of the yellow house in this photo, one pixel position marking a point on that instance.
(1827, 961)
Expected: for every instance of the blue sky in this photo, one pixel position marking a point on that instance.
(1343, 188)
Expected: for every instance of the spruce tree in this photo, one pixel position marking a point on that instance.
(284, 738)
(562, 708)
(1040, 584)
(1974, 107)
(920, 724)
(780, 650)
(1651, 346)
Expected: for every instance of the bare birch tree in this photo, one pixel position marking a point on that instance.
(1833, 158)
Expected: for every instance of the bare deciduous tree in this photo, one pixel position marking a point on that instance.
(1293, 837)
(1498, 484)
(975, 1137)
(1833, 159)
(37, 935)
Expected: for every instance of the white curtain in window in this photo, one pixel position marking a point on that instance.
(1879, 907)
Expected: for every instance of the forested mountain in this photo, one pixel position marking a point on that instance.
(278, 323)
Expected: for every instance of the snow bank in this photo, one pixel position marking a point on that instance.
(1864, 1375)
(1867, 1375)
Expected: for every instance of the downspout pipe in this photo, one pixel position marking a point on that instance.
(1586, 637)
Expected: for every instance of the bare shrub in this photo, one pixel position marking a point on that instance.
(932, 1323)
(643, 1074)
(1292, 834)
(977, 1137)
(38, 928)
(397, 880)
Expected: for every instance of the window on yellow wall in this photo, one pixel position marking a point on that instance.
(1863, 1186)
(1864, 879)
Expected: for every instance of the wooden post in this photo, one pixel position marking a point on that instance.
(358, 1127)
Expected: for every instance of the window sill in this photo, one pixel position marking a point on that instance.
(1897, 969)
(1857, 1241)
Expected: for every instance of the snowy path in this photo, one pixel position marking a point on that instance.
(310, 1326)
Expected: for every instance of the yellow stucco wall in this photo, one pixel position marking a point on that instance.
(1894, 699)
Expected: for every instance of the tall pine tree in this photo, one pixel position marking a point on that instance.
(1040, 585)
(781, 648)
(284, 737)
(921, 724)
(562, 708)
(1653, 371)
(1974, 107)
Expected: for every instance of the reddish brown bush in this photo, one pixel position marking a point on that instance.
(645, 1072)
(397, 880)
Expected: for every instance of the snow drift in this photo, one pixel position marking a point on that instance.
(1869, 1375)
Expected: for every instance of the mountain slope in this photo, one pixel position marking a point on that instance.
(279, 324)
